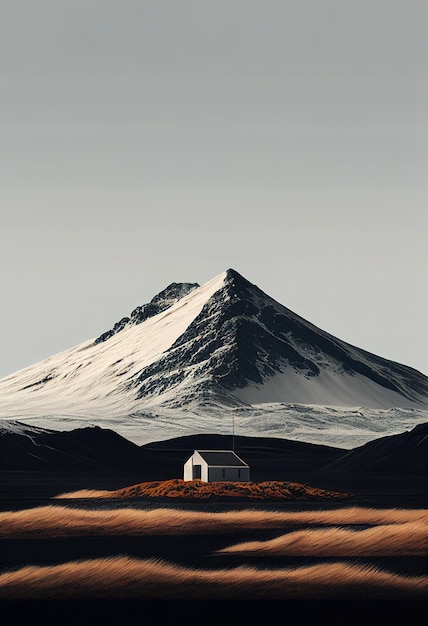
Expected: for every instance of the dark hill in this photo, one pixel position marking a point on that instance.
(269, 458)
(95, 448)
(36, 464)
(82, 449)
(405, 453)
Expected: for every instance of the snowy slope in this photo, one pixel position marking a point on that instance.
(93, 377)
(328, 388)
(193, 355)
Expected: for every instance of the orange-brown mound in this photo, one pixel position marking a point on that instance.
(196, 489)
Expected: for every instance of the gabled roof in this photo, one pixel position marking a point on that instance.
(225, 458)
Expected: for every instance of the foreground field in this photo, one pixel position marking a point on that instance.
(109, 553)
(344, 553)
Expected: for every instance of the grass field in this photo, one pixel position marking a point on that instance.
(349, 552)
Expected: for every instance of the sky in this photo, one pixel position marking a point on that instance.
(144, 142)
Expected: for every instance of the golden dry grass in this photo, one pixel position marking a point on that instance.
(391, 532)
(409, 539)
(59, 521)
(121, 577)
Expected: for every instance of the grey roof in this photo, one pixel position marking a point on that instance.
(221, 457)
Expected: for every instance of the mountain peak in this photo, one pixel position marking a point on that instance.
(232, 276)
(238, 287)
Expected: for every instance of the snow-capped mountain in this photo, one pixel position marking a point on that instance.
(194, 354)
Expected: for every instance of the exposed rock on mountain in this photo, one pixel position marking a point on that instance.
(243, 339)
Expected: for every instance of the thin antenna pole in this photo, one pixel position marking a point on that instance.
(233, 432)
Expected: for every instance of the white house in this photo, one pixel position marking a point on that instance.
(216, 465)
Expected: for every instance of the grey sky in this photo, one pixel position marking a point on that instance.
(150, 141)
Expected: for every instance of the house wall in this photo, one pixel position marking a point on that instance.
(188, 469)
(204, 475)
(228, 473)
(195, 459)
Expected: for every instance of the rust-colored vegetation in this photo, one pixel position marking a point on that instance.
(198, 490)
